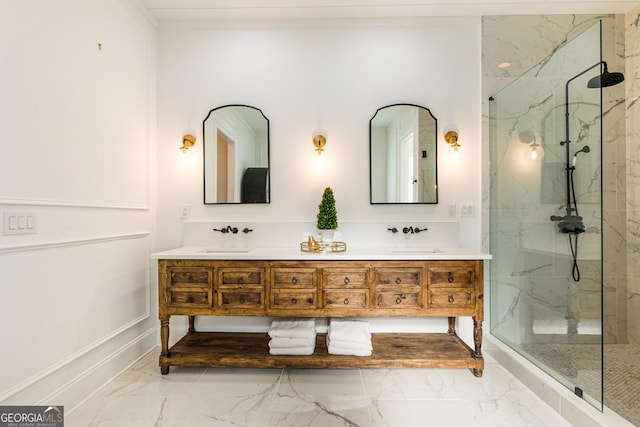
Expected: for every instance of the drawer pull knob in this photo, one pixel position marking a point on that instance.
(398, 300)
(451, 298)
(294, 301)
(346, 301)
(188, 278)
(294, 280)
(450, 279)
(241, 280)
(346, 280)
(190, 298)
(241, 300)
(398, 280)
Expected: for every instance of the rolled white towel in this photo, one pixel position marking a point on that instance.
(286, 342)
(293, 328)
(349, 330)
(293, 351)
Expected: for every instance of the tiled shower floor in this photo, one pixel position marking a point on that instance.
(324, 397)
(581, 364)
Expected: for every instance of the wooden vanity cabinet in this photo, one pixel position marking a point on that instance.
(312, 288)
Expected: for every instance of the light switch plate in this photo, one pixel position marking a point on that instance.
(19, 223)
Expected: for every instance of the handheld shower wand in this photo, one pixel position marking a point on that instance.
(584, 149)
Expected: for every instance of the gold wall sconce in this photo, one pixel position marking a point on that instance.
(452, 139)
(188, 141)
(319, 140)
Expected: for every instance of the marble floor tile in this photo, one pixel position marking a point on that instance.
(194, 397)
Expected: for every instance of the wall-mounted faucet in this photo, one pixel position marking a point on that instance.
(228, 229)
(412, 230)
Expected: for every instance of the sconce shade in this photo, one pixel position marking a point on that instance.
(188, 141)
(452, 139)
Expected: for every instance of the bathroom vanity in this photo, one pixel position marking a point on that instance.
(286, 282)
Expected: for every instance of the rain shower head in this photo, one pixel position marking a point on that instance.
(606, 79)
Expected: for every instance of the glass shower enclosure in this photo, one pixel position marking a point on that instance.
(546, 215)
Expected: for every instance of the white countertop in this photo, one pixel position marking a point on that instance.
(294, 253)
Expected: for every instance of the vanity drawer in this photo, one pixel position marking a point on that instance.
(457, 298)
(185, 277)
(240, 298)
(241, 276)
(345, 278)
(398, 276)
(452, 277)
(293, 278)
(399, 297)
(293, 299)
(346, 299)
(189, 298)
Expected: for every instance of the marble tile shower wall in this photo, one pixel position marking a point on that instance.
(632, 39)
(536, 279)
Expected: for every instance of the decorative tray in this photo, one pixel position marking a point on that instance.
(312, 246)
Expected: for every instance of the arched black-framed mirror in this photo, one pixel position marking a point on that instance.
(236, 155)
(403, 155)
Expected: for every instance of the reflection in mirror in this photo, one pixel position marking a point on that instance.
(403, 155)
(236, 155)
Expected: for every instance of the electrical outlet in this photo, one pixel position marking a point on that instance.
(185, 211)
(467, 210)
(452, 210)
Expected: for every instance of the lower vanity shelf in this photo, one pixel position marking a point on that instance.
(390, 350)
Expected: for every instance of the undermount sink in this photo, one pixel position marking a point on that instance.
(415, 251)
(227, 250)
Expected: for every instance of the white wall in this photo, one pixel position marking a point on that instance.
(76, 149)
(306, 75)
(309, 74)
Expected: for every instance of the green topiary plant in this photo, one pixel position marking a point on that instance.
(327, 218)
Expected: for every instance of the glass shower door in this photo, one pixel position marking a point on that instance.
(546, 216)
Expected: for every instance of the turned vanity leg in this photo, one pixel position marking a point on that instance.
(452, 326)
(477, 337)
(164, 340)
(192, 324)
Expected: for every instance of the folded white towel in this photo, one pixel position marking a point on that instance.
(286, 342)
(348, 352)
(349, 345)
(293, 351)
(349, 330)
(293, 328)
